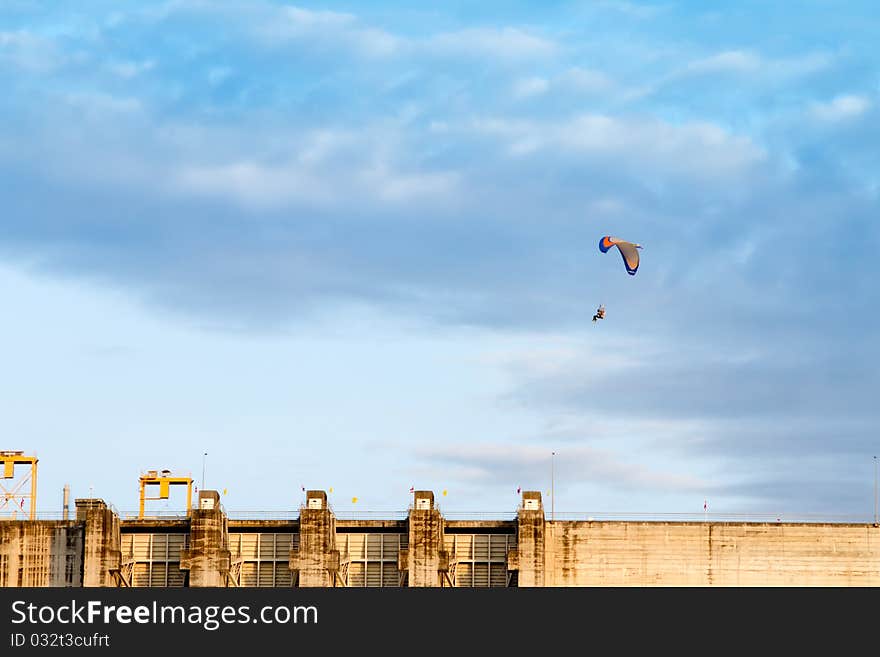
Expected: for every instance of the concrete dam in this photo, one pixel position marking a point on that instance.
(206, 548)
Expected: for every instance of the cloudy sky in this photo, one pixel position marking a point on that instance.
(355, 246)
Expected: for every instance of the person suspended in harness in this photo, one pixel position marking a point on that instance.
(600, 313)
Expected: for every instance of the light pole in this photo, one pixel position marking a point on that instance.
(552, 491)
(204, 458)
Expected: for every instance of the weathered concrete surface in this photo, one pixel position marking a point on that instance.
(424, 559)
(207, 558)
(148, 525)
(709, 554)
(102, 556)
(283, 526)
(44, 553)
(547, 553)
(316, 561)
(399, 525)
(531, 557)
(489, 526)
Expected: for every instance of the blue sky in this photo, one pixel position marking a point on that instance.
(355, 246)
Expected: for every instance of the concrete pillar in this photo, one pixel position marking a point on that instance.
(427, 561)
(207, 557)
(102, 555)
(530, 540)
(316, 563)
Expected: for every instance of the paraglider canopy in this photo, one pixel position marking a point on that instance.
(629, 251)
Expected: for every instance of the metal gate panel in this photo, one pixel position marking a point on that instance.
(266, 575)
(480, 560)
(266, 547)
(140, 574)
(481, 575)
(374, 573)
(140, 546)
(390, 575)
(391, 544)
(248, 574)
(357, 574)
(159, 575)
(498, 574)
(265, 558)
(356, 546)
(158, 548)
(156, 559)
(481, 547)
(176, 542)
(499, 544)
(283, 576)
(283, 543)
(176, 577)
(464, 547)
(464, 575)
(374, 547)
(247, 545)
(371, 557)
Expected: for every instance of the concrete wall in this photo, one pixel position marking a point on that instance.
(47, 553)
(709, 554)
(548, 553)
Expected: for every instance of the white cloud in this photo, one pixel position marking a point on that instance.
(130, 69)
(608, 206)
(542, 357)
(254, 184)
(746, 62)
(321, 146)
(585, 80)
(798, 66)
(840, 108)
(29, 52)
(489, 462)
(631, 9)
(738, 61)
(527, 87)
(97, 104)
(700, 149)
(318, 19)
(329, 27)
(503, 43)
(573, 80)
(276, 26)
(258, 185)
(392, 186)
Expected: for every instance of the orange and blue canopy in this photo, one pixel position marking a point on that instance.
(629, 251)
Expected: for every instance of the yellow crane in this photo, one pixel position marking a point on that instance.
(14, 498)
(164, 480)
